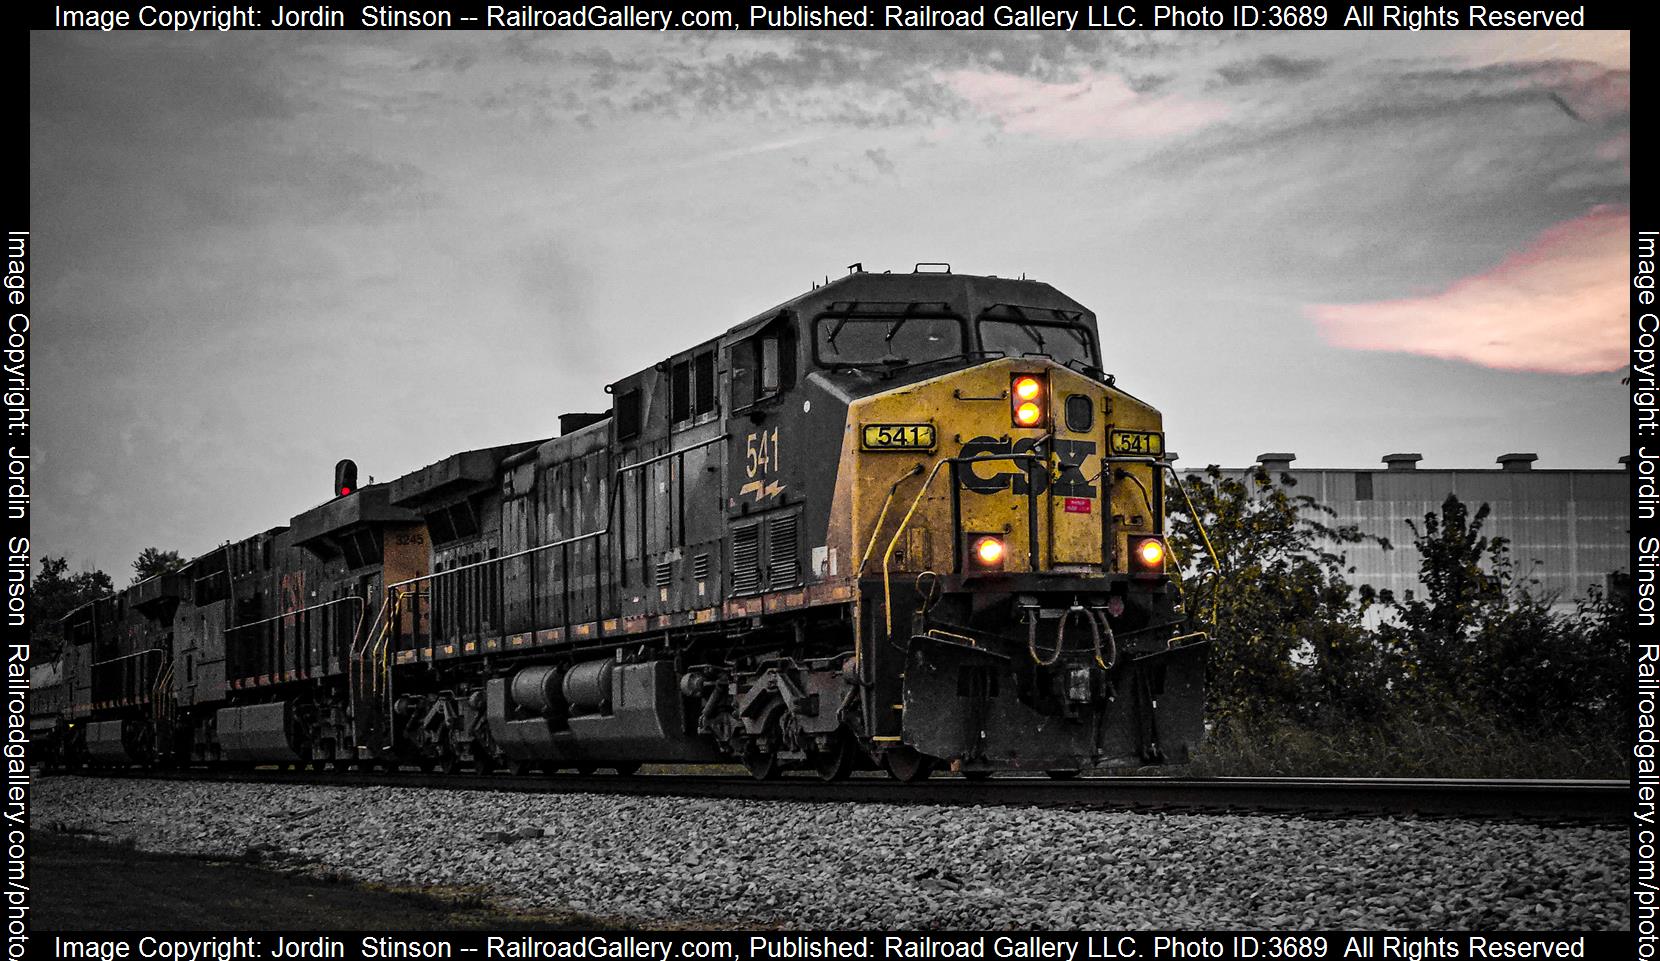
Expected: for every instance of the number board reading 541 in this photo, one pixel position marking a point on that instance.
(898, 437)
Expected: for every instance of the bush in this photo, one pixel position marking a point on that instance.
(1479, 675)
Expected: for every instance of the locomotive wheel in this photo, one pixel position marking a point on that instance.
(762, 765)
(586, 770)
(1064, 774)
(908, 765)
(836, 762)
(628, 770)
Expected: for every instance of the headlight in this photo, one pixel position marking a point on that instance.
(1147, 555)
(987, 552)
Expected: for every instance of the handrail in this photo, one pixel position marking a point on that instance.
(610, 508)
(148, 650)
(883, 515)
(303, 610)
(1215, 563)
(887, 556)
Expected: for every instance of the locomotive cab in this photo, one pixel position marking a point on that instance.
(995, 514)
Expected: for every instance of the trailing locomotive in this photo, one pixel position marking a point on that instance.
(900, 520)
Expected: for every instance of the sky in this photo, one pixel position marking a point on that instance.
(255, 254)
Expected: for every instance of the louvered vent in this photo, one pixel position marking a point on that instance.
(782, 558)
(746, 559)
(664, 574)
(700, 567)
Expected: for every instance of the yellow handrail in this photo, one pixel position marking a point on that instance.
(1216, 565)
(887, 556)
(877, 528)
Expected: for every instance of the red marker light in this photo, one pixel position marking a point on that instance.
(344, 491)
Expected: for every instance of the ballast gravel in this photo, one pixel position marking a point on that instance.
(655, 861)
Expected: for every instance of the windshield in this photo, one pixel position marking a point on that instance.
(1060, 342)
(854, 341)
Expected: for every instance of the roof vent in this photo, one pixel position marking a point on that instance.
(1402, 461)
(1517, 462)
(575, 422)
(1276, 461)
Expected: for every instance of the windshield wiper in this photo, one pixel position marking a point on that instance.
(967, 355)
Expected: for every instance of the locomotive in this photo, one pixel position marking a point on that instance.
(903, 521)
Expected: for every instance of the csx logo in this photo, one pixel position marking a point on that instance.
(1067, 481)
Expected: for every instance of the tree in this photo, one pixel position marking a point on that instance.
(153, 560)
(1289, 638)
(1483, 641)
(54, 594)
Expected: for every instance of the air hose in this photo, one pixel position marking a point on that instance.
(1106, 651)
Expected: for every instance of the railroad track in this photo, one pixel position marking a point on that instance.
(1552, 800)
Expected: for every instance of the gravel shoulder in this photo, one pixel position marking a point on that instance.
(88, 884)
(680, 862)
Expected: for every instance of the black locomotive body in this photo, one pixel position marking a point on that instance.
(903, 520)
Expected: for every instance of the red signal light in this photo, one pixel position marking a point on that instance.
(345, 477)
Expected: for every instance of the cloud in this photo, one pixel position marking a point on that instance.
(1556, 306)
(1269, 68)
(1100, 106)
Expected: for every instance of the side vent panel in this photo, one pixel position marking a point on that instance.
(783, 560)
(746, 559)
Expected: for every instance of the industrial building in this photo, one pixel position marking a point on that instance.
(1568, 529)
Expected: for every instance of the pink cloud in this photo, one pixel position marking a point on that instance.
(1101, 106)
(1557, 306)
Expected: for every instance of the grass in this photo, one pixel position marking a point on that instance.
(1402, 747)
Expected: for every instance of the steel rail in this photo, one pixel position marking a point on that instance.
(1488, 799)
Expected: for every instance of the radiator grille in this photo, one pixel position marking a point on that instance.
(746, 559)
(783, 561)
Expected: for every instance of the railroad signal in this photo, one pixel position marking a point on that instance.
(345, 478)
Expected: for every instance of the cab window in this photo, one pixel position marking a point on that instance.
(763, 365)
(862, 341)
(1059, 342)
